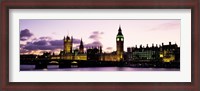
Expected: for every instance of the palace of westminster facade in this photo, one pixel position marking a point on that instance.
(94, 53)
(166, 53)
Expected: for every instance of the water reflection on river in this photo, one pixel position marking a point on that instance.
(56, 68)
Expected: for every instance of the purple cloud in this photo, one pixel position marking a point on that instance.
(32, 46)
(45, 38)
(109, 48)
(76, 41)
(44, 44)
(97, 32)
(93, 44)
(25, 34)
(56, 42)
(23, 38)
(96, 35)
(24, 51)
(40, 43)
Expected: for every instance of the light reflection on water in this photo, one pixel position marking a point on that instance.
(56, 68)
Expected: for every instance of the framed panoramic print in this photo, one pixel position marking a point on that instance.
(94, 45)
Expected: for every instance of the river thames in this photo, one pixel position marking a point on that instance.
(56, 68)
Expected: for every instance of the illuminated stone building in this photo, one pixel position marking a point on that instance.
(94, 53)
(120, 45)
(55, 57)
(69, 54)
(79, 55)
(118, 55)
(164, 53)
(109, 57)
(68, 43)
(143, 53)
(170, 53)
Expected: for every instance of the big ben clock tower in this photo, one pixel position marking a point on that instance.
(120, 44)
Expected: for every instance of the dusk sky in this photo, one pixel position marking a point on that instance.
(37, 36)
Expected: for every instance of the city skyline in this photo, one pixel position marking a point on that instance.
(37, 36)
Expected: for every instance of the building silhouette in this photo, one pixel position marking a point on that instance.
(142, 53)
(68, 43)
(95, 53)
(69, 54)
(117, 55)
(170, 53)
(120, 44)
(81, 47)
(163, 53)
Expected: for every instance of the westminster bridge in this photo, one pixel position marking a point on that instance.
(43, 63)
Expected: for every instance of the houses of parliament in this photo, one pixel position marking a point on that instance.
(165, 53)
(162, 53)
(94, 53)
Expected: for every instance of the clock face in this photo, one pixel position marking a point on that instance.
(122, 39)
(117, 39)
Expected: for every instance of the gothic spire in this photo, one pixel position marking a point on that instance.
(81, 42)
